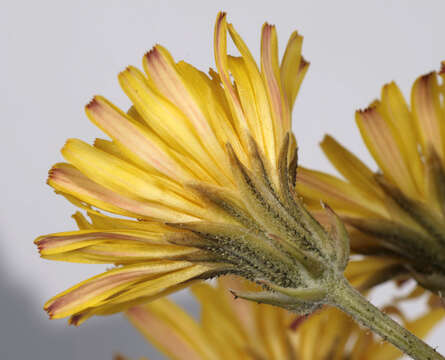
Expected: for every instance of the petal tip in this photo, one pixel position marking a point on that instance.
(75, 320)
(368, 110)
(49, 309)
(52, 174)
(152, 52)
(221, 16)
(92, 104)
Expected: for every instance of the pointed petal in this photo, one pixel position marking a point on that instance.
(133, 137)
(67, 179)
(271, 324)
(342, 196)
(358, 272)
(271, 75)
(111, 308)
(386, 148)
(81, 221)
(124, 178)
(172, 330)
(220, 120)
(293, 68)
(96, 290)
(119, 247)
(397, 112)
(150, 289)
(216, 311)
(246, 94)
(167, 121)
(164, 74)
(221, 61)
(428, 114)
(350, 166)
(262, 102)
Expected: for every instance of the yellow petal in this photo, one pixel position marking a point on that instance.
(310, 333)
(172, 330)
(167, 121)
(340, 195)
(424, 324)
(163, 72)
(386, 148)
(247, 312)
(217, 115)
(337, 329)
(361, 346)
(98, 289)
(67, 179)
(397, 112)
(214, 308)
(220, 50)
(271, 322)
(131, 136)
(113, 308)
(293, 68)
(265, 120)
(188, 165)
(126, 179)
(357, 272)
(350, 166)
(119, 247)
(71, 240)
(81, 221)
(246, 94)
(271, 75)
(103, 222)
(427, 113)
(147, 291)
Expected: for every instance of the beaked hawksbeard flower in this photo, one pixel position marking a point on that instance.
(398, 212)
(207, 165)
(197, 160)
(234, 329)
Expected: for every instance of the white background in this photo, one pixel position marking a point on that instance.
(55, 55)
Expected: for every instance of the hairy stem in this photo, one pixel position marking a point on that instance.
(345, 297)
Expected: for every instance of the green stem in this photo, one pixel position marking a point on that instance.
(345, 297)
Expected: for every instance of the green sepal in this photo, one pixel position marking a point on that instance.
(264, 206)
(277, 299)
(309, 294)
(339, 237)
(405, 241)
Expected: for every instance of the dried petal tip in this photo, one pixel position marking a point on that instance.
(93, 102)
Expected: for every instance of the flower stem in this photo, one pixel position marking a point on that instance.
(345, 297)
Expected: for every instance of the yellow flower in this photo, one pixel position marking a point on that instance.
(179, 161)
(207, 165)
(398, 212)
(237, 329)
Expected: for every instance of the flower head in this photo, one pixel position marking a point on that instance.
(206, 164)
(208, 167)
(234, 329)
(398, 212)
